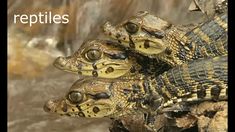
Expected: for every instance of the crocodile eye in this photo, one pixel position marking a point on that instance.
(75, 97)
(131, 27)
(93, 54)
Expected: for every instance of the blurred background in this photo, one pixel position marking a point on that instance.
(32, 79)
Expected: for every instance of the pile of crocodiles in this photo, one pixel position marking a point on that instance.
(153, 68)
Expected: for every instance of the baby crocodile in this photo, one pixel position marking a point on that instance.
(200, 80)
(157, 38)
(106, 59)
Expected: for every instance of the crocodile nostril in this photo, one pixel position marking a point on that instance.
(50, 105)
(47, 106)
(107, 27)
(106, 24)
(60, 61)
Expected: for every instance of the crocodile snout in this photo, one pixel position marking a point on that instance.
(49, 106)
(60, 62)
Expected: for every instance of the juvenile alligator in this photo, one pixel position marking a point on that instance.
(106, 59)
(157, 38)
(199, 80)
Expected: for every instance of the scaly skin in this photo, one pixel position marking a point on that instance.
(175, 45)
(200, 80)
(109, 60)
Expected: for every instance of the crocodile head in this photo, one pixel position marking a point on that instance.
(97, 98)
(143, 32)
(98, 58)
